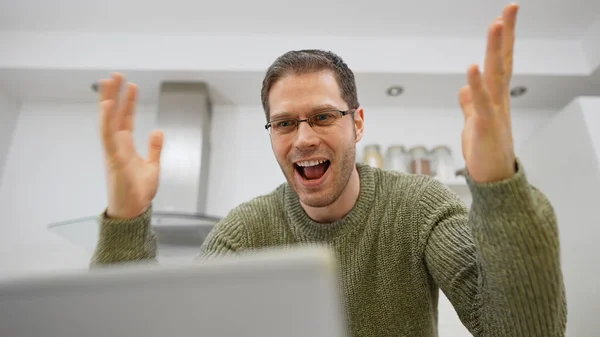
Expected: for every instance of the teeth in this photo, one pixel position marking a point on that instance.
(310, 163)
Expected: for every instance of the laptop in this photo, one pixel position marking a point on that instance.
(292, 292)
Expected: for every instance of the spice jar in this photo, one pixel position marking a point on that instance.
(372, 156)
(419, 160)
(442, 163)
(396, 159)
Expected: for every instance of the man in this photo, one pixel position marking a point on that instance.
(398, 237)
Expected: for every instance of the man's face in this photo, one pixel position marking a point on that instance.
(317, 162)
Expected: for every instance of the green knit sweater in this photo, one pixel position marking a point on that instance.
(407, 237)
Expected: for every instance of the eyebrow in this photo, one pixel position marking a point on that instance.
(316, 109)
(324, 107)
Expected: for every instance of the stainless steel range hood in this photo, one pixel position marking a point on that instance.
(184, 115)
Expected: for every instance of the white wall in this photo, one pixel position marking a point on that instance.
(591, 108)
(562, 160)
(9, 110)
(241, 151)
(55, 172)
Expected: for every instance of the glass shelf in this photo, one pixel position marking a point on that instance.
(174, 229)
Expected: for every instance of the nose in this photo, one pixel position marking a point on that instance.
(306, 137)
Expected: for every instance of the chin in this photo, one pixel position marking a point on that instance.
(317, 199)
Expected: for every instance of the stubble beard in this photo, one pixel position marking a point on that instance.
(329, 195)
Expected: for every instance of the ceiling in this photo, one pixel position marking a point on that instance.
(243, 88)
(556, 19)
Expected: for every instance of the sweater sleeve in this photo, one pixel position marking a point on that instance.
(499, 264)
(125, 241)
(134, 241)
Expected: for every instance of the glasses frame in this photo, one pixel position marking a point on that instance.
(308, 120)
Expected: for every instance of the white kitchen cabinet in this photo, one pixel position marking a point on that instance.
(562, 159)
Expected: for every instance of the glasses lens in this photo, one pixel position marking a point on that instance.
(281, 127)
(324, 119)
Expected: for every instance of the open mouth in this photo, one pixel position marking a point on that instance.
(312, 169)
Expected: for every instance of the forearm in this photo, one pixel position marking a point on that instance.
(123, 241)
(515, 233)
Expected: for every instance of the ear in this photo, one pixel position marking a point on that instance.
(359, 123)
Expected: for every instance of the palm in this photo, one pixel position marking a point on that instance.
(479, 140)
(142, 173)
(132, 180)
(487, 141)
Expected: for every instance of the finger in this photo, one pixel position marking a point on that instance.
(465, 99)
(494, 63)
(479, 94)
(109, 87)
(118, 79)
(509, 16)
(107, 108)
(127, 109)
(156, 144)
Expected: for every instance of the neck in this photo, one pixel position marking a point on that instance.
(339, 208)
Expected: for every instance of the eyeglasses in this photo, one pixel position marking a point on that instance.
(319, 121)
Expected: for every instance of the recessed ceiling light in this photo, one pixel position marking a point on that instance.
(518, 91)
(395, 91)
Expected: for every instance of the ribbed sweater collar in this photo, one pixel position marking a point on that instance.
(306, 228)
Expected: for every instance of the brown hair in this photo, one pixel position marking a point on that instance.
(307, 61)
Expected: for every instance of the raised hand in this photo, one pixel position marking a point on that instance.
(487, 140)
(132, 180)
